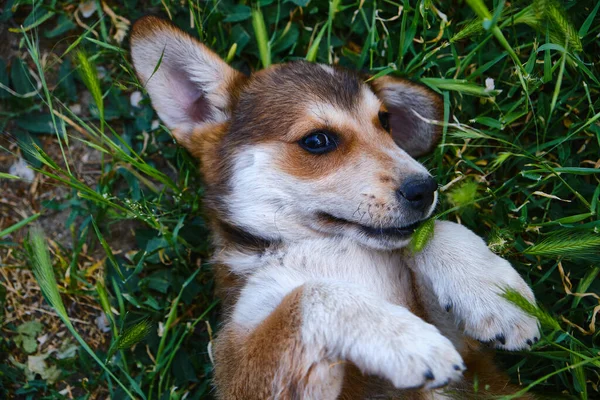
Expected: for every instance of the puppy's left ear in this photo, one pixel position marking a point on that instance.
(404, 100)
(189, 85)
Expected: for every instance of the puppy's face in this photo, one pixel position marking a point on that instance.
(297, 150)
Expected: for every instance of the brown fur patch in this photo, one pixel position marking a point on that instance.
(203, 144)
(385, 179)
(492, 382)
(251, 365)
(295, 161)
(358, 386)
(148, 25)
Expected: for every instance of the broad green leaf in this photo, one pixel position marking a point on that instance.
(21, 80)
(239, 13)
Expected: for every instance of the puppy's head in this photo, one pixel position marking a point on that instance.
(297, 150)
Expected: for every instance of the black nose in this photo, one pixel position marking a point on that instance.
(418, 191)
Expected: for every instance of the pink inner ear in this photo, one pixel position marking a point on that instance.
(188, 96)
(199, 109)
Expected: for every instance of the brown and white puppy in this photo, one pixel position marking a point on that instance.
(313, 191)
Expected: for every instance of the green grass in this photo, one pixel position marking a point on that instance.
(519, 162)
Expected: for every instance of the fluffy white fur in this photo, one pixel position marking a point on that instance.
(468, 279)
(354, 308)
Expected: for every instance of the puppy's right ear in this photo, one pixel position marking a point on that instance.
(409, 104)
(189, 85)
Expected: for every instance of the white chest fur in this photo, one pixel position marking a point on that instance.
(274, 273)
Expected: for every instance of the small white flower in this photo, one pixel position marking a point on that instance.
(101, 72)
(489, 84)
(21, 169)
(102, 323)
(135, 98)
(42, 339)
(87, 8)
(76, 109)
(210, 353)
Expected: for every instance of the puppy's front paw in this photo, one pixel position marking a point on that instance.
(410, 353)
(468, 280)
(487, 316)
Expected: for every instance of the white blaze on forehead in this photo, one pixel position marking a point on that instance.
(367, 107)
(370, 104)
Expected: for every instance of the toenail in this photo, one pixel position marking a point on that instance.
(429, 375)
(500, 337)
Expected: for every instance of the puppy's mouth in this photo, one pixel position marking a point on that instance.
(395, 232)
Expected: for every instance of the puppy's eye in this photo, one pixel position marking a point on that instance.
(319, 142)
(384, 120)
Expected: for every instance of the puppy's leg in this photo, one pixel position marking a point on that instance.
(269, 362)
(467, 280)
(288, 339)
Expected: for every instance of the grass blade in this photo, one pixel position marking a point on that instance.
(567, 244)
(42, 270)
(517, 299)
(89, 75)
(262, 38)
(19, 225)
(422, 235)
(311, 54)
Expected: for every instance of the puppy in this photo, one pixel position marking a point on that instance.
(313, 192)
